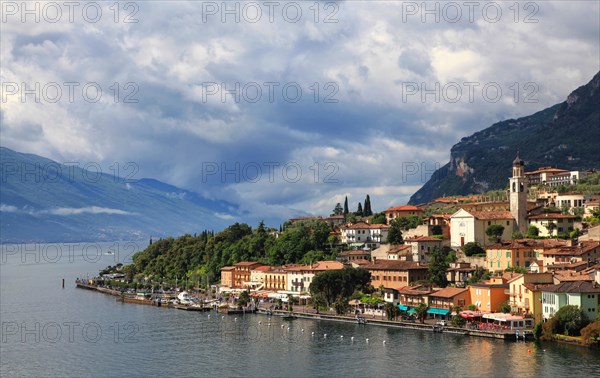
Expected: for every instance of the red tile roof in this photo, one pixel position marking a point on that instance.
(395, 265)
(421, 238)
(448, 292)
(405, 208)
(552, 216)
(485, 215)
(574, 287)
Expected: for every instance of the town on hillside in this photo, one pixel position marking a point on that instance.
(512, 257)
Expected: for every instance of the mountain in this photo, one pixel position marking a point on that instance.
(44, 201)
(566, 135)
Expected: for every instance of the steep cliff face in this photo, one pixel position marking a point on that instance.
(565, 135)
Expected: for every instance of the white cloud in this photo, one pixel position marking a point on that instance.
(373, 133)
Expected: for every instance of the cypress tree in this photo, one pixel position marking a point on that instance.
(359, 212)
(346, 206)
(367, 208)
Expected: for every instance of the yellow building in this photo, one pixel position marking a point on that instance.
(525, 293)
(275, 279)
(518, 252)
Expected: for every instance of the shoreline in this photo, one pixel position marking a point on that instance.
(505, 335)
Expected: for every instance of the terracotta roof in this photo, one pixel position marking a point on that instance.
(415, 290)
(247, 263)
(535, 286)
(361, 225)
(360, 262)
(422, 238)
(547, 170)
(527, 243)
(570, 275)
(490, 285)
(448, 292)
(336, 217)
(485, 215)
(552, 216)
(578, 250)
(263, 268)
(404, 208)
(395, 265)
(574, 287)
(327, 265)
(398, 249)
(357, 252)
(228, 268)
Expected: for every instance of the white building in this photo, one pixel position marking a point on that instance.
(371, 235)
(466, 227)
(421, 246)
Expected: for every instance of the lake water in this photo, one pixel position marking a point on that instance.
(51, 331)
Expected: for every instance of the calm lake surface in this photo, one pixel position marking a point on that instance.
(51, 331)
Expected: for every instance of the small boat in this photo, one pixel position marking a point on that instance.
(289, 316)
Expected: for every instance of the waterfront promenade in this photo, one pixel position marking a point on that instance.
(374, 318)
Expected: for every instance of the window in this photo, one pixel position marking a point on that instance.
(508, 223)
(489, 223)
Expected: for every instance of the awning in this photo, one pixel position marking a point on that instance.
(403, 307)
(438, 311)
(412, 310)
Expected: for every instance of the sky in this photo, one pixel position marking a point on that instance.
(284, 108)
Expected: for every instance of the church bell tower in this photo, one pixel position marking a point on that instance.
(518, 195)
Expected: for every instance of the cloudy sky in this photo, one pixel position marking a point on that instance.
(283, 107)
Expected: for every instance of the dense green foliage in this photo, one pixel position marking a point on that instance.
(472, 248)
(379, 218)
(201, 257)
(568, 320)
(438, 266)
(494, 232)
(338, 285)
(591, 333)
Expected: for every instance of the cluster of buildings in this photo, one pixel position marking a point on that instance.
(273, 282)
(559, 271)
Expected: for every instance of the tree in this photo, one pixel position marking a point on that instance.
(395, 234)
(504, 307)
(332, 284)
(438, 266)
(591, 333)
(338, 210)
(421, 311)
(517, 269)
(406, 223)
(367, 208)
(378, 218)
(341, 305)
(472, 248)
(346, 206)
(391, 311)
(494, 232)
(244, 298)
(568, 320)
(532, 231)
(359, 211)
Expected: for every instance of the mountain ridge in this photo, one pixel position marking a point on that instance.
(562, 136)
(45, 201)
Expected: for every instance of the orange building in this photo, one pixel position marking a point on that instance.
(489, 295)
(227, 276)
(402, 211)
